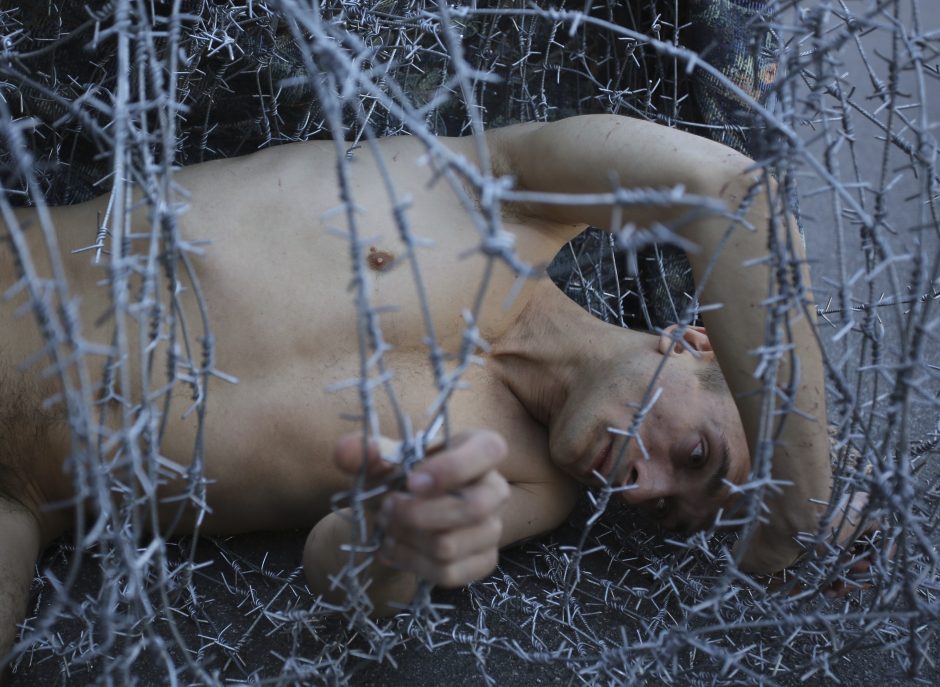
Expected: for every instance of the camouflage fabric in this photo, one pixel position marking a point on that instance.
(731, 36)
(245, 85)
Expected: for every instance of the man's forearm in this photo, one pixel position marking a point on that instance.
(596, 153)
(444, 525)
(20, 544)
(324, 560)
(744, 325)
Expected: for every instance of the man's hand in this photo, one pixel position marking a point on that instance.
(446, 526)
(857, 548)
(860, 544)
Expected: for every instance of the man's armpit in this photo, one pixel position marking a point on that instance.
(509, 211)
(536, 508)
(500, 166)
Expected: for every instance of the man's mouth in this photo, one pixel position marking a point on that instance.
(602, 463)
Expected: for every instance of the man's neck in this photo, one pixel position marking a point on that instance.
(549, 346)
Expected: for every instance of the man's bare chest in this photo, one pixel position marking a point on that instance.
(268, 447)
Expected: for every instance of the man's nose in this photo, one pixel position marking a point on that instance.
(647, 480)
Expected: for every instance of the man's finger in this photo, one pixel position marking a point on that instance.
(455, 574)
(465, 508)
(446, 548)
(470, 456)
(347, 455)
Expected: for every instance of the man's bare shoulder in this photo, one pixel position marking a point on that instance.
(535, 509)
(541, 496)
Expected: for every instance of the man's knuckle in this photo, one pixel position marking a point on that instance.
(407, 516)
(475, 508)
(481, 446)
(502, 490)
(449, 576)
(391, 548)
(493, 445)
(495, 492)
(445, 549)
(495, 528)
(492, 560)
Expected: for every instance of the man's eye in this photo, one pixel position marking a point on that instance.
(699, 456)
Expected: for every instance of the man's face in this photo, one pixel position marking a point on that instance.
(690, 441)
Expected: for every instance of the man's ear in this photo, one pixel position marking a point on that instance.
(695, 338)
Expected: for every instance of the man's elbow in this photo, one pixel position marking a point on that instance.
(763, 558)
(324, 560)
(734, 178)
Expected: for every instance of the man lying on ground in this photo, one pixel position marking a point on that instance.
(554, 381)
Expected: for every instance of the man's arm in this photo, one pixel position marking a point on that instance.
(20, 539)
(447, 532)
(445, 526)
(590, 154)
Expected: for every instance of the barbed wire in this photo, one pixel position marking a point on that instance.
(113, 96)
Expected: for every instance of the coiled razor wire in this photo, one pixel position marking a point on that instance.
(108, 96)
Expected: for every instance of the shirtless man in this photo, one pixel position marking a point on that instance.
(554, 381)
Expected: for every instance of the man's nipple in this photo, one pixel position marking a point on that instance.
(379, 260)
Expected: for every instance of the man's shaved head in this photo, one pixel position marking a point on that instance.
(711, 378)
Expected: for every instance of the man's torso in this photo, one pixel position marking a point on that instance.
(286, 319)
